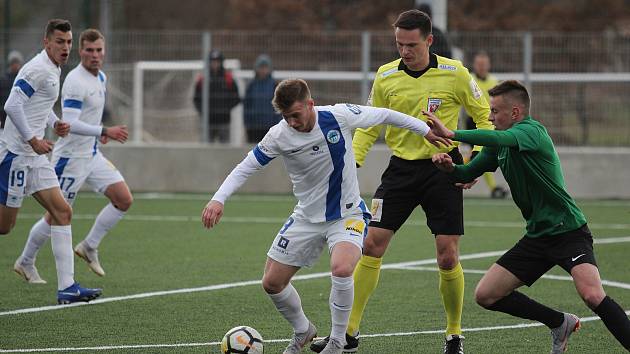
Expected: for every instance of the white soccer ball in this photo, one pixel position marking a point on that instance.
(242, 340)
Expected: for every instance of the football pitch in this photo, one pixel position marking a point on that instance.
(174, 287)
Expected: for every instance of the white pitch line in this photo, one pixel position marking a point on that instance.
(298, 277)
(363, 336)
(275, 220)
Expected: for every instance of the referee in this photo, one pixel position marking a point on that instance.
(419, 81)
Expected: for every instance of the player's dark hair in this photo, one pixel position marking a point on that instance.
(414, 19)
(288, 92)
(90, 35)
(514, 90)
(57, 24)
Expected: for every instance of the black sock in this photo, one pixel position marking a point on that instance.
(519, 305)
(615, 320)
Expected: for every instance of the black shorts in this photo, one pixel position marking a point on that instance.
(531, 257)
(406, 184)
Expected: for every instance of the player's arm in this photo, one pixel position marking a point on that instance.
(492, 138)
(61, 128)
(486, 161)
(369, 116)
(14, 107)
(255, 160)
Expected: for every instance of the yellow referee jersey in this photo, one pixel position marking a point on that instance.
(486, 84)
(443, 88)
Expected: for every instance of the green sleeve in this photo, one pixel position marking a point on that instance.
(486, 137)
(485, 161)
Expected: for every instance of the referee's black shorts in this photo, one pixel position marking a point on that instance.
(405, 184)
(532, 257)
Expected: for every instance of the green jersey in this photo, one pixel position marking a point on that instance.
(531, 167)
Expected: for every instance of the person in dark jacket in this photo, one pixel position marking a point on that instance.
(222, 97)
(15, 61)
(258, 111)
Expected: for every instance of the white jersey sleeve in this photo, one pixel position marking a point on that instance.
(73, 94)
(257, 159)
(365, 116)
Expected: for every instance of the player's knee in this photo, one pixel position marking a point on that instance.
(63, 215)
(124, 204)
(484, 298)
(447, 260)
(592, 297)
(271, 286)
(5, 229)
(374, 247)
(342, 270)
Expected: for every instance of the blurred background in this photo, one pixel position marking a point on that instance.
(573, 55)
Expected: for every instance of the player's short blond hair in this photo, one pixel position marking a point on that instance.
(90, 35)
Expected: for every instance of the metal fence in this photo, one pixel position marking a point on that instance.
(579, 81)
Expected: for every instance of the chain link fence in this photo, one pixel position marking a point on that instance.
(586, 105)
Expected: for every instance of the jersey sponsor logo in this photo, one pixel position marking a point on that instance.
(316, 151)
(355, 226)
(377, 209)
(447, 67)
(475, 89)
(333, 136)
(353, 108)
(389, 72)
(433, 104)
(283, 242)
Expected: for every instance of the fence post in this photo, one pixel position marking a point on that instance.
(365, 65)
(527, 61)
(205, 88)
(137, 103)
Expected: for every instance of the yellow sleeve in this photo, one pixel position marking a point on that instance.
(364, 138)
(471, 97)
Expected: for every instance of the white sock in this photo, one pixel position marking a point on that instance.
(37, 237)
(61, 239)
(341, 297)
(106, 219)
(289, 305)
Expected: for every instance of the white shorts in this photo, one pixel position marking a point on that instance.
(96, 171)
(299, 243)
(23, 175)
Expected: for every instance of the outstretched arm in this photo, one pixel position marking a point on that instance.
(214, 209)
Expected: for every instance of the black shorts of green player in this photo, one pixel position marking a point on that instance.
(406, 184)
(532, 257)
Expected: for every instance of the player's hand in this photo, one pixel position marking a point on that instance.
(103, 139)
(443, 162)
(62, 128)
(436, 140)
(41, 146)
(118, 133)
(211, 214)
(437, 127)
(466, 185)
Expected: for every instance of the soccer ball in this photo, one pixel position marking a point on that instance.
(242, 340)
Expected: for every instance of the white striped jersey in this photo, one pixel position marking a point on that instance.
(320, 163)
(84, 92)
(39, 81)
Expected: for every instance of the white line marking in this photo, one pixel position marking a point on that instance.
(363, 336)
(280, 221)
(298, 277)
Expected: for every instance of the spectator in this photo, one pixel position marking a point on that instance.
(15, 61)
(222, 97)
(440, 44)
(259, 113)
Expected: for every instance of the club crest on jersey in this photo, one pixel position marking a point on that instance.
(433, 104)
(333, 136)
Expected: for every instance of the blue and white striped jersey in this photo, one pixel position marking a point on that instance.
(320, 163)
(83, 93)
(39, 81)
